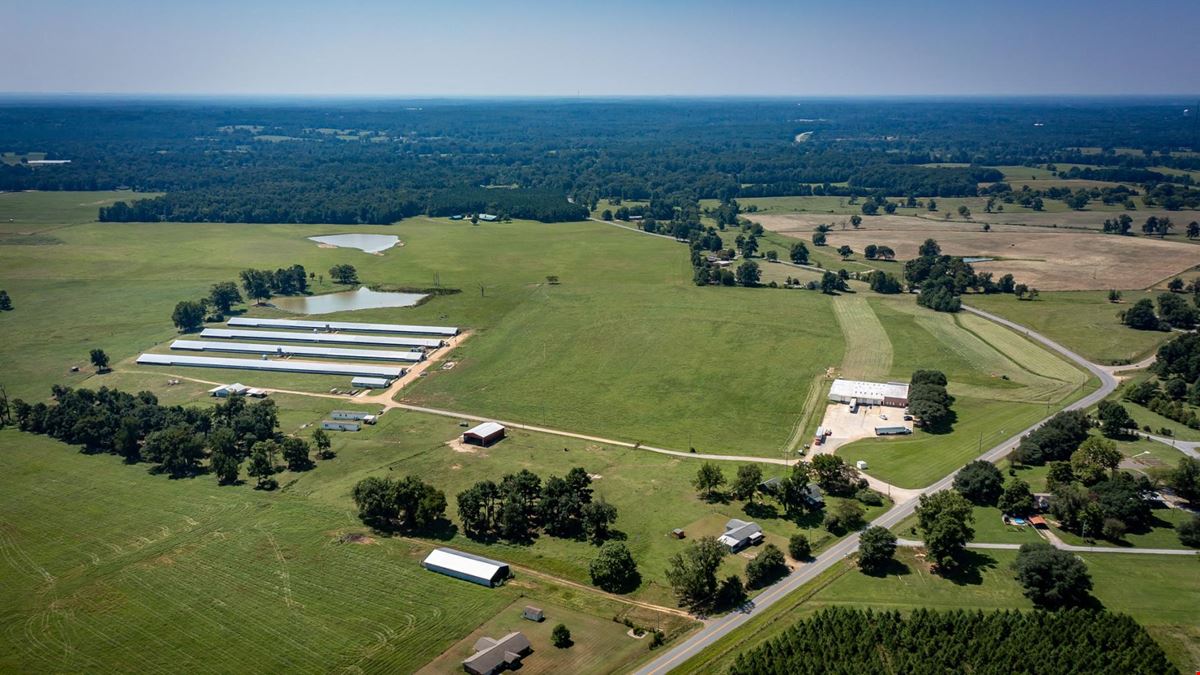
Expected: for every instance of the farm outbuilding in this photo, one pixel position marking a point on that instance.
(340, 425)
(492, 656)
(352, 326)
(298, 350)
(472, 568)
(892, 394)
(532, 613)
(739, 534)
(326, 338)
(358, 415)
(286, 366)
(484, 435)
(227, 390)
(370, 383)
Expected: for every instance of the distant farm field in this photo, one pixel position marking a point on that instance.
(1045, 260)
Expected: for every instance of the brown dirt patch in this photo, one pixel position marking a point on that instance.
(457, 445)
(356, 538)
(1048, 261)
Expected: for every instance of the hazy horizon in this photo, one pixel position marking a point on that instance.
(542, 49)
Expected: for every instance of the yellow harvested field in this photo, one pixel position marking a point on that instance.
(1048, 261)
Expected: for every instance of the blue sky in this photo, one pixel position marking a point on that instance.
(617, 47)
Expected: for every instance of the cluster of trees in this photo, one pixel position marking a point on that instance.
(1091, 498)
(1173, 312)
(5, 302)
(924, 640)
(1175, 392)
(1172, 398)
(928, 400)
(175, 439)
(521, 504)
(941, 278)
(408, 504)
(692, 574)
(981, 483)
(878, 252)
(262, 284)
(946, 522)
(1054, 441)
(791, 492)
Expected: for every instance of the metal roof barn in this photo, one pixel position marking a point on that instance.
(465, 566)
(295, 350)
(370, 382)
(288, 366)
(448, 331)
(484, 434)
(327, 338)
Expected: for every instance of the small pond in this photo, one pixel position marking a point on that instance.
(363, 298)
(371, 243)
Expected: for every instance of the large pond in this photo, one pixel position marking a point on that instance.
(363, 298)
(371, 243)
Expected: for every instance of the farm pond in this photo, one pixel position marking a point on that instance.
(346, 301)
(370, 243)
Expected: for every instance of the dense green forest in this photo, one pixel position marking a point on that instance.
(857, 641)
(382, 161)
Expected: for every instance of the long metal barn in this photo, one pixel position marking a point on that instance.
(288, 366)
(448, 331)
(328, 338)
(298, 350)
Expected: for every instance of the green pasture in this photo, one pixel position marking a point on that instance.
(1084, 321)
(652, 492)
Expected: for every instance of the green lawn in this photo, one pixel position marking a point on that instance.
(989, 528)
(1084, 321)
(599, 644)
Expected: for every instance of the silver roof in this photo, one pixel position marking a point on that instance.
(345, 325)
(328, 338)
(297, 350)
(288, 366)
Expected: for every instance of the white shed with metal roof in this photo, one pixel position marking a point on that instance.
(327, 338)
(473, 568)
(352, 326)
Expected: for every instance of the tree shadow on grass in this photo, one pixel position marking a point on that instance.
(969, 571)
(760, 510)
(943, 427)
(890, 568)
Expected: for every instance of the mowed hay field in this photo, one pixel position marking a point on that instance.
(110, 569)
(625, 346)
(149, 574)
(1002, 383)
